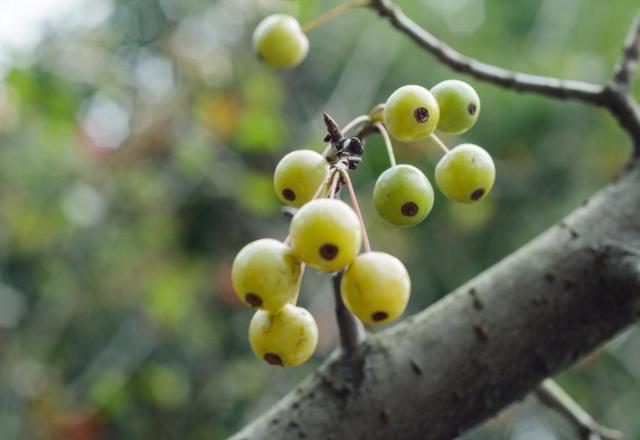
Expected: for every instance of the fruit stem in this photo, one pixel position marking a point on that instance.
(350, 125)
(356, 207)
(439, 142)
(332, 13)
(334, 184)
(387, 141)
(294, 300)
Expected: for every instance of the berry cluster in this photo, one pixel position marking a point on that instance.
(325, 232)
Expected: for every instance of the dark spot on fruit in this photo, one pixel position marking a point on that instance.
(328, 251)
(421, 114)
(409, 209)
(253, 299)
(379, 316)
(385, 416)
(477, 194)
(472, 108)
(288, 194)
(273, 359)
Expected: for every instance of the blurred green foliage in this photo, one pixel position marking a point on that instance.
(136, 157)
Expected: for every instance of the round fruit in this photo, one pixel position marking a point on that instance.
(459, 106)
(376, 287)
(411, 113)
(298, 176)
(279, 41)
(403, 195)
(466, 173)
(266, 275)
(286, 338)
(325, 234)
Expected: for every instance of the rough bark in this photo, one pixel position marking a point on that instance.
(486, 344)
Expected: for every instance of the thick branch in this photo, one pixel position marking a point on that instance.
(627, 65)
(523, 82)
(488, 343)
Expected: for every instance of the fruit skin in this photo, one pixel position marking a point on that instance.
(459, 106)
(403, 195)
(325, 234)
(266, 275)
(279, 41)
(376, 287)
(466, 173)
(411, 113)
(298, 176)
(285, 338)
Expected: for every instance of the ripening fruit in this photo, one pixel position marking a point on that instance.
(466, 173)
(279, 41)
(266, 275)
(325, 234)
(411, 113)
(298, 176)
(403, 195)
(459, 106)
(287, 337)
(376, 287)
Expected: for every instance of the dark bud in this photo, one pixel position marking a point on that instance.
(354, 162)
(355, 146)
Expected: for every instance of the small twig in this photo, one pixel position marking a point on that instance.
(352, 333)
(556, 87)
(387, 142)
(439, 143)
(553, 396)
(350, 125)
(356, 207)
(332, 13)
(627, 65)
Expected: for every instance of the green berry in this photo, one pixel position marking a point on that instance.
(411, 113)
(403, 195)
(376, 287)
(466, 173)
(298, 176)
(325, 234)
(279, 41)
(459, 106)
(266, 275)
(286, 338)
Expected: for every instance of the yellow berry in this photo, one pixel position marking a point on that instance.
(298, 176)
(411, 113)
(279, 41)
(325, 234)
(459, 106)
(466, 173)
(376, 287)
(286, 338)
(266, 275)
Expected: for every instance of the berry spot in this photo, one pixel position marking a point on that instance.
(409, 209)
(477, 194)
(288, 194)
(273, 359)
(328, 251)
(253, 299)
(379, 316)
(472, 108)
(421, 114)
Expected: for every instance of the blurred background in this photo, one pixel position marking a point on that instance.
(137, 144)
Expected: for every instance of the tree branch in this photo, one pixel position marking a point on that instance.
(551, 395)
(522, 82)
(488, 343)
(352, 333)
(627, 65)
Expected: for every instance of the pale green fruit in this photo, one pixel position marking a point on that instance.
(411, 113)
(459, 106)
(279, 41)
(298, 176)
(466, 173)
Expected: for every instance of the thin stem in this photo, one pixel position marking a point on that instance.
(553, 396)
(351, 330)
(350, 125)
(335, 12)
(294, 300)
(356, 207)
(387, 142)
(439, 143)
(334, 184)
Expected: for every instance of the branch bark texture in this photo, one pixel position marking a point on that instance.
(486, 344)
